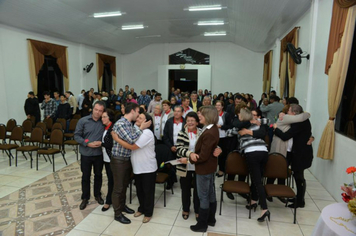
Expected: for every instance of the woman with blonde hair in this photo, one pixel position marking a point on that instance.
(205, 167)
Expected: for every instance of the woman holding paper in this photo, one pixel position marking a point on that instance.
(185, 145)
(144, 165)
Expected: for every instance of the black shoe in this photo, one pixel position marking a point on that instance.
(122, 219)
(266, 214)
(230, 196)
(219, 175)
(282, 200)
(105, 209)
(299, 205)
(169, 186)
(244, 195)
(84, 204)
(270, 199)
(99, 200)
(128, 210)
(253, 206)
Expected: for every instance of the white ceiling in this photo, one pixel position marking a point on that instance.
(253, 24)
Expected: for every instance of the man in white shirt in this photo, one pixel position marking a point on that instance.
(186, 107)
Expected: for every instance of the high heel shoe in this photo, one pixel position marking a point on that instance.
(266, 214)
(253, 206)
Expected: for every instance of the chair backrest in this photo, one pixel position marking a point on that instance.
(267, 141)
(63, 122)
(276, 166)
(49, 123)
(56, 137)
(236, 164)
(2, 132)
(10, 125)
(37, 135)
(57, 125)
(77, 116)
(17, 134)
(72, 124)
(33, 120)
(27, 126)
(42, 125)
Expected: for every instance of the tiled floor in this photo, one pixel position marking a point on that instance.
(47, 196)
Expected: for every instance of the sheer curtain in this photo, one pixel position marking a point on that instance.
(339, 49)
(101, 59)
(37, 50)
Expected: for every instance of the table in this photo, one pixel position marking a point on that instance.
(335, 219)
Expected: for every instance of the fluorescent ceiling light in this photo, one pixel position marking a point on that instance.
(205, 8)
(149, 36)
(223, 33)
(210, 23)
(132, 27)
(107, 14)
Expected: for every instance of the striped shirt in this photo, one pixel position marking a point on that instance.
(248, 141)
(127, 132)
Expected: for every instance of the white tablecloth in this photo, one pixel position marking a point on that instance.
(335, 219)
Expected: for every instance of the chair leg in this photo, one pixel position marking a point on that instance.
(37, 161)
(76, 151)
(64, 158)
(295, 209)
(53, 162)
(23, 153)
(16, 159)
(164, 193)
(30, 153)
(130, 191)
(221, 199)
(249, 211)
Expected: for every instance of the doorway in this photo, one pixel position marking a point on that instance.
(185, 80)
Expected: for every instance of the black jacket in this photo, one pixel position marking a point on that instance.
(302, 153)
(108, 141)
(63, 111)
(199, 104)
(168, 132)
(32, 107)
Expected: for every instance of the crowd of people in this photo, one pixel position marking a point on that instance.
(129, 133)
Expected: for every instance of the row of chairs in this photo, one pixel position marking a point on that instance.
(15, 137)
(276, 167)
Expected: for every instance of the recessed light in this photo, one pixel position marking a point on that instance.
(107, 14)
(205, 8)
(210, 23)
(132, 27)
(222, 33)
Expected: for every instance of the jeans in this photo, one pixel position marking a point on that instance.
(206, 190)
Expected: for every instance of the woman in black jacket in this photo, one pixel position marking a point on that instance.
(107, 142)
(87, 105)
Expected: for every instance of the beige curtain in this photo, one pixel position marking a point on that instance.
(267, 72)
(291, 37)
(37, 51)
(282, 73)
(101, 59)
(336, 81)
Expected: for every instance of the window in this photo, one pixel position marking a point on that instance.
(345, 117)
(50, 78)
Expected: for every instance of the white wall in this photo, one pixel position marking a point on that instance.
(331, 174)
(233, 68)
(14, 69)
